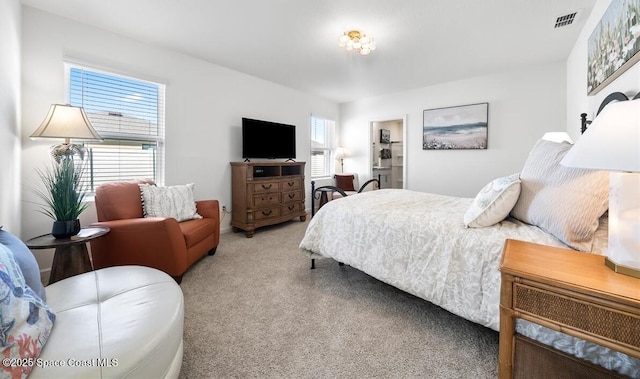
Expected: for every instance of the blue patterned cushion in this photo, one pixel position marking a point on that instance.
(25, 320)
(26, 261)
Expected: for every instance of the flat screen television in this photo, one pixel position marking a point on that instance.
(265, 139)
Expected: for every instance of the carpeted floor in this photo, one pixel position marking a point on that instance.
(256, 310)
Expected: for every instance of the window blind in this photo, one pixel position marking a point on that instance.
(129, 114)
(321, 146)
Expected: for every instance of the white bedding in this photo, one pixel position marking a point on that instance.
(418, 243)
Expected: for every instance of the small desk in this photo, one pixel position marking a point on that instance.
(71, 256)
(567, 291)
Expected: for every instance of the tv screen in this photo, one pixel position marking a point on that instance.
(265, 139)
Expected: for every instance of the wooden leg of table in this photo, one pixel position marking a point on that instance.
(507, 329)
(69, 261)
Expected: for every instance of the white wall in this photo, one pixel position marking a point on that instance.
(10, 12)
(204, 105)
(577, 99)
(523, 105)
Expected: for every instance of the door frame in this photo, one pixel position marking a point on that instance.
(404, 144)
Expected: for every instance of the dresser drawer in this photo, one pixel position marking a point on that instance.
(290, 196)
(261, 214)
(291, 184)
(263, 187)
(291, 208)
(266, 200)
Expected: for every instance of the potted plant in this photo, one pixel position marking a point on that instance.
(63, 196)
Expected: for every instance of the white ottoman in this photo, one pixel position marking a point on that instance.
(115, 322)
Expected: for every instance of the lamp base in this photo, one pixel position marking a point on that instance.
(66, 151)
(622, 269)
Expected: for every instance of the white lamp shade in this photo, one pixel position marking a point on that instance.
(341, 152)
(612, 141)
(558, 137)
(66, 121)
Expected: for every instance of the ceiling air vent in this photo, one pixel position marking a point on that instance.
(567, 19)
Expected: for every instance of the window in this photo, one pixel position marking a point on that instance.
(129, 114)
(321, 146)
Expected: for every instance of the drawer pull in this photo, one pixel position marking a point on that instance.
(291, 184)
(266, 186)
(292, 195)
(267, 213)
(291, 207)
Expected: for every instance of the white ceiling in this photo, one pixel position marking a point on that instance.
(295, 42)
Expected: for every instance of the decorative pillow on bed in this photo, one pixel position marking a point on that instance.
(174, 201)
(26, 320)
(494, 202)
(565, 202)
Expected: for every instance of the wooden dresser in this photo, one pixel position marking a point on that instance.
(570, 292)
(266, 193)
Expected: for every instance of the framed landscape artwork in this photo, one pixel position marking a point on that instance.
(614, 44)
(461, 127)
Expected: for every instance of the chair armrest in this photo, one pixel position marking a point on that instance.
(376, 184)
(149, 241)
(208, 208)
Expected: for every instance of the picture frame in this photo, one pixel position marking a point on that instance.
(457, 127)
(385, 136)
(613, 45)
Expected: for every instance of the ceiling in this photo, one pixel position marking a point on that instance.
(295, 42)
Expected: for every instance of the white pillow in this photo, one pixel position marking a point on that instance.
(174, 202)
(565, 202)
(494, 202)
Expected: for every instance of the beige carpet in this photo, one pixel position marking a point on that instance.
(256, 310)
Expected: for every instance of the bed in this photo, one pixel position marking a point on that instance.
(447, 250)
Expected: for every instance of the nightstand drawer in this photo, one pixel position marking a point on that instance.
(578, 312)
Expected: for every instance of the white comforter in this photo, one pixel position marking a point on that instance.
(418, 243)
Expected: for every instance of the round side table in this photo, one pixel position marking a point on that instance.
(71, 256)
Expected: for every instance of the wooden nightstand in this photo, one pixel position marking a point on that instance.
(570, 292)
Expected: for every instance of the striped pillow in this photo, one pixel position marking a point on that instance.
(565, 202)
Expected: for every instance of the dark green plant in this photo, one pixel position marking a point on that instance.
(63, 192)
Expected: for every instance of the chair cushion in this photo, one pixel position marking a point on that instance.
(345, 182)
(195, 231)
(171, 202)
(119, 200)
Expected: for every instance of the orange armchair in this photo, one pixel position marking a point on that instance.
(162, 243)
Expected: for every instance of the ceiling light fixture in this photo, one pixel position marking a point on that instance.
(357, 40)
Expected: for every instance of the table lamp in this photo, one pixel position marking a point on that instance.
(66, 121)
(612, 142)
(341, 153)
